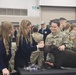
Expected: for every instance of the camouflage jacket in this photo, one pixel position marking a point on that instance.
(72, 40)
(58, 39)
(37, 37)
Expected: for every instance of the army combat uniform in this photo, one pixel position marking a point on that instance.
(58, 39)
(72, 41)
(37, 54)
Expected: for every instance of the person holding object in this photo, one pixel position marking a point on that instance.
(26, 45)
(37, 57)
(58, 38)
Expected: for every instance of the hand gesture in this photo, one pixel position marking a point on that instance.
(5, 71)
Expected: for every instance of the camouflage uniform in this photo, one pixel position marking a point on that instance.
(66, 32)
(14, 48)
(72, 41)
(57, 39)
(37, 54)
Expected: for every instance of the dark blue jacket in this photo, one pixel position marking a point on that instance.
(45, 33)
(4, 58)
(22, 56)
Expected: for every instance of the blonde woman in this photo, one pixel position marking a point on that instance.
(26, 45)
(6, 30)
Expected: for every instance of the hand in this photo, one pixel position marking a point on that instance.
(49, 63)
(62, 48)
(72, 38)
(5, 71)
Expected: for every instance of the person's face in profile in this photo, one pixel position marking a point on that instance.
(11, 30)
(28, 28)
(74, 29)
(64, 23)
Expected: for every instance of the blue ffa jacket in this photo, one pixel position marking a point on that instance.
(4, 58)
(45, 32)
(22, 56)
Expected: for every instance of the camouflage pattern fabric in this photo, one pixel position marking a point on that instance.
(58, 39)
(72, 41)
(37, 55)
(11, 62)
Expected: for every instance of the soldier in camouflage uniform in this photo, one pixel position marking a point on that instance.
(72, 37)
(63, 22)
(67, 28)
(37, 55)
(57, 38)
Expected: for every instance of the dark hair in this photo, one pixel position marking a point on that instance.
(73, 25)
(57, 22)
(67, 26)
(35, 29)
(62, 18)
(53, 20)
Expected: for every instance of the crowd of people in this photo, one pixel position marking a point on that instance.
(30, 42)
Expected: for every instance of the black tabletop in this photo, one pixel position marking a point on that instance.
(49, 72)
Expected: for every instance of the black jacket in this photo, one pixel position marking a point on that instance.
(4, 58)
(45, 33)
(22, 56)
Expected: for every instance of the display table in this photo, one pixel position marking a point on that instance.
(49, 72)
(15, 73)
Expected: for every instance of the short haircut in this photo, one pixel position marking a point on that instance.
(53, 20)
(67, 25)
(62, 18)
(57, 22)
(35, 29)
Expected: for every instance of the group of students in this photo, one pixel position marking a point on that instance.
(26, 44)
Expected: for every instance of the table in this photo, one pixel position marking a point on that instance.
(49, 72)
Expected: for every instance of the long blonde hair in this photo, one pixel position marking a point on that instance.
(22, 33)
(5, 28)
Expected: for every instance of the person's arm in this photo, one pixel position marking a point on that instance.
(2, 65)
(3, 68)
(65, 42)
(30, 47)
(62, 47)
(5, 71)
